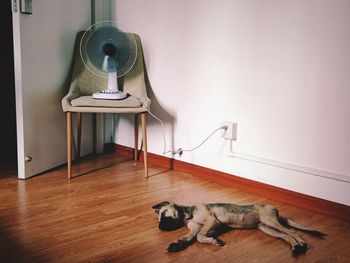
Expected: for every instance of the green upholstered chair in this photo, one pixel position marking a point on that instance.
(79, 99)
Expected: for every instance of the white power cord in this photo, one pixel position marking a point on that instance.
(207, 138)
(179, 150)
(161, 123)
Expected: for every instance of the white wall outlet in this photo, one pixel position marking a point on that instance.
(231, 131)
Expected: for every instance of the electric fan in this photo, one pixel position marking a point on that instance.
(108, 53)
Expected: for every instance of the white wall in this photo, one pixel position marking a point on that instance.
(280, 69)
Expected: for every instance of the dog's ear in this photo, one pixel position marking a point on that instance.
(157, 207)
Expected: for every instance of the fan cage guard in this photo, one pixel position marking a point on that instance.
(124, 69)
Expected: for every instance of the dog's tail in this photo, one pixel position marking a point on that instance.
(287, 222)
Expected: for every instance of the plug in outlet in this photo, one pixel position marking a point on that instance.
(231, 131)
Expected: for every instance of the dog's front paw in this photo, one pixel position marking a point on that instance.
(177, 246)
(299, 249)
(219, 242)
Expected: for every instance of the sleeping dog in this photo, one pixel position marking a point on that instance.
(204, 219)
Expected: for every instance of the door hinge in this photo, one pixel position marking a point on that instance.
(15, 5)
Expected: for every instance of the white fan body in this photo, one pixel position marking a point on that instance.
(111, 92)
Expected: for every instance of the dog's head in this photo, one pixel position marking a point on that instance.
(171, 216)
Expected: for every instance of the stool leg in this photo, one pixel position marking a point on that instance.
(94, 134)
(79, 120)
(69, 144)
(144, 138)
(136, 136)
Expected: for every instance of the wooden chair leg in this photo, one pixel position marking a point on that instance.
(69, 144)
(94, 134)
(144, 138)
(136, 136)
(139, 153)
(79, 120)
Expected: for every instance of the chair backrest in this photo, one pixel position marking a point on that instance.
(84, 82)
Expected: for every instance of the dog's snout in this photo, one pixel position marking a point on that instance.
(169, 223)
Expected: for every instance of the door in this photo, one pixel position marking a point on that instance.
(43, 49)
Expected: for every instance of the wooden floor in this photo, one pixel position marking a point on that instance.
(106, 216)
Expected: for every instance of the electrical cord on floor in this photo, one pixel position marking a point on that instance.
(179, 151)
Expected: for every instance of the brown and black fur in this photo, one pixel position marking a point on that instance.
(204, 220)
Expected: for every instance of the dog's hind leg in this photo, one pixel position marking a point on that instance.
(288, 222)
(296, 248)
(271, 220)
(269, 216)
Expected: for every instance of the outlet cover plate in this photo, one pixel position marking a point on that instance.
(231, 132)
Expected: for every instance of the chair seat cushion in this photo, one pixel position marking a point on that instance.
(88, 101)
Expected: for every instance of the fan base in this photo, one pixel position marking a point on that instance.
(109, 96)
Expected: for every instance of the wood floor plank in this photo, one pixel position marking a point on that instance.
(104, 214)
